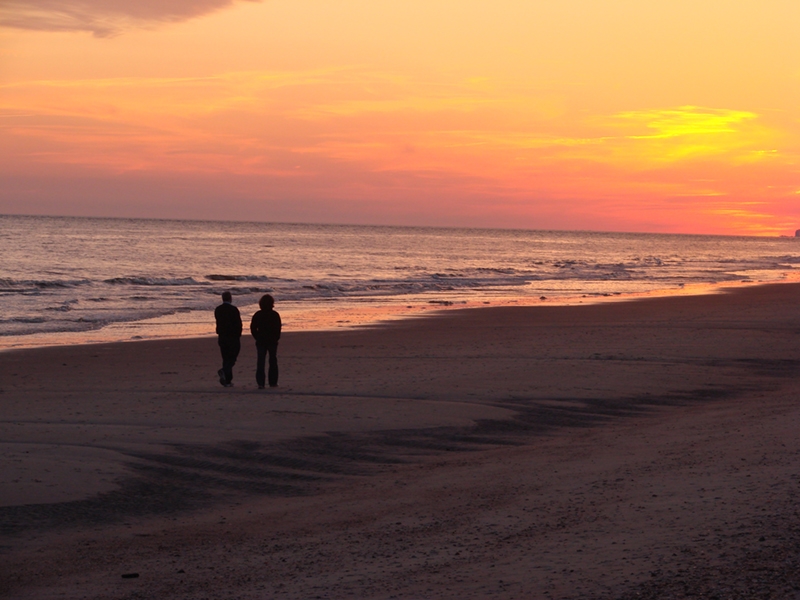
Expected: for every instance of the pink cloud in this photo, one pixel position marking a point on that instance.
(103, 18)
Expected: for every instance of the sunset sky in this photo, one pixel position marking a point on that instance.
(623, 115)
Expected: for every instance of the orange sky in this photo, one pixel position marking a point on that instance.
(668, 115)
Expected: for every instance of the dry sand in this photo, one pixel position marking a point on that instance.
(631, 450)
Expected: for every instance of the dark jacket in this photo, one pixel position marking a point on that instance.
(229, 322)
(266, 327)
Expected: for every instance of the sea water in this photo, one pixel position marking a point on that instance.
(70, 280)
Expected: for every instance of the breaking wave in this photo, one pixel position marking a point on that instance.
(152, 281)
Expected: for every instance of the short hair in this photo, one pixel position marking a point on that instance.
(226, 297)
(266, 302)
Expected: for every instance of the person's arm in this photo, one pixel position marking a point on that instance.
(217, 320)
(254, 327)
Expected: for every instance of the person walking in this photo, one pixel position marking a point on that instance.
(266, 329)
(229, 330)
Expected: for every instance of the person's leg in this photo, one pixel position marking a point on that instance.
(233, 346)
(230, 351)
(261, 358)
(223, 378)
(273, 365)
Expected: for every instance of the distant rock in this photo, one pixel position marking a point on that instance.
(797, 233)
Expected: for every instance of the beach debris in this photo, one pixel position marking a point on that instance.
(130, 575)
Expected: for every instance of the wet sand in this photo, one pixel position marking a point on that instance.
(630, 450)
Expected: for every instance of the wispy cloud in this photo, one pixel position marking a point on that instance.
(687, 120)
(102, 18)
(659, 136)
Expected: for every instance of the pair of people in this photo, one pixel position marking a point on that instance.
(265, 326)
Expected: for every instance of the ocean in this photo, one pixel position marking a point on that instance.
(66, 280)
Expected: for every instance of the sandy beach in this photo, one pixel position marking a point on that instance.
(643, 449)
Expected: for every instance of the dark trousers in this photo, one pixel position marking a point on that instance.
(229, 347)
(263, 349)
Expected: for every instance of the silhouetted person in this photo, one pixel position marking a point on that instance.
(229, 330)
(266, 329)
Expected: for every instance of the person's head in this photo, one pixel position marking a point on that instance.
(226, 297)
(266, 302)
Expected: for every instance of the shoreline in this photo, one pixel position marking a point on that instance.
(600, 451)
(352, 315)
